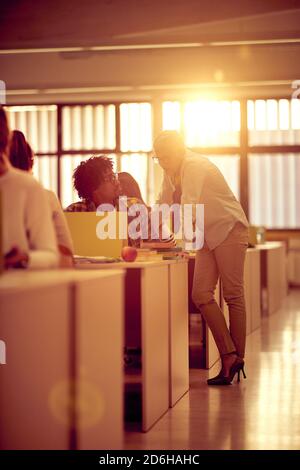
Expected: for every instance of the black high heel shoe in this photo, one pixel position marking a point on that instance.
(239, 371)
(217, 380)
(236, 368)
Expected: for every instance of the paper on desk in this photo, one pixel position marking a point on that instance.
(95, 259)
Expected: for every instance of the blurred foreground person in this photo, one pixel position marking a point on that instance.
(28, 238)
(21, 156)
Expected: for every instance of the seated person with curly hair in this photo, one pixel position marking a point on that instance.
(96, 183)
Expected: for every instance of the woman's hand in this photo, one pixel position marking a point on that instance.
(16, 258)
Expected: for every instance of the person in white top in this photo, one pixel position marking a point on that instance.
(28, 238)
(62, 231)
(190, 178)
(21, 156)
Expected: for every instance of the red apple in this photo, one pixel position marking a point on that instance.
(129, 253)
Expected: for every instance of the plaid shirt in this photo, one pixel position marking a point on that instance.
(82, 206)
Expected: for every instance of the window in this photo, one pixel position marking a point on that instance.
(207, 124)
(89, 127)
(204, 123)
(171, 115)
(39, 125)
(274, 176)
(45, 171)
(92, 129)
(87, 130)
(229, 165)
(136, 127)
(274, 122)
(274, 190)
(124, 131)
(137, 165)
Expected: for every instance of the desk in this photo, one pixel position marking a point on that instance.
(255, 286)
(56, 390)
(156, 319)
(247, 291)
(273, 275)
(178, 331)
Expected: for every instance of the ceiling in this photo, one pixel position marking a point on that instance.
(52, 23)
(101, 46)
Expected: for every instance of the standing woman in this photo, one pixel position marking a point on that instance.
(193, 179)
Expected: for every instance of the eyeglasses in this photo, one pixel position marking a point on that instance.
(110, 178)
(159, 159)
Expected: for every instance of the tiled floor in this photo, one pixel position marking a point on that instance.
(262, 412)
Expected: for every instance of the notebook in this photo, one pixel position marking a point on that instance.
(84, 227)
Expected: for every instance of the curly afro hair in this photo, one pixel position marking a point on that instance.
(90, 174)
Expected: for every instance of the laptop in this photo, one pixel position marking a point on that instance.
(95, 235)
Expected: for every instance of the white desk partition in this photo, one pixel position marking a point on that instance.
(34, 323)
(273, 275)
(255, 280)
(157, 321)
(61, 387)
(146, 326)
(248, 290)
(155, 352)
(178, 331)
(99, 333)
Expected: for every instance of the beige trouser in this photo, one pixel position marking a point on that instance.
(227, 261)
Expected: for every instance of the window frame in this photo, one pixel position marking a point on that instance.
(243, 150)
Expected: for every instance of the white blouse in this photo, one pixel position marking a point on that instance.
(203, 183)
(26, 219)
(63, 235)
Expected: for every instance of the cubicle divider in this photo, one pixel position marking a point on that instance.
(156, 322)
(274, 281)
(178, 331)
(61, 386)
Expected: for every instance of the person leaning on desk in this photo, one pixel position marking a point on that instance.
(190, 178)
